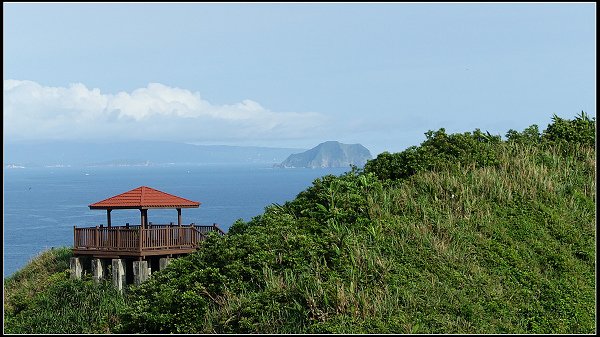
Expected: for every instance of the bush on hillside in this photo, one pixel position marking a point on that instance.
(581, 130)
(530, 136)
(437, 152)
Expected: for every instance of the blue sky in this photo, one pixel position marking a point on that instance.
(293, 75)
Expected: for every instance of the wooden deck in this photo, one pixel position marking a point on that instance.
(127, 240)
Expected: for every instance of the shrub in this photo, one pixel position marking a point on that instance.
(437, 152)
(529, 136)
(581, 130)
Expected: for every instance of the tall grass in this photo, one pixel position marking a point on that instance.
(513, 244)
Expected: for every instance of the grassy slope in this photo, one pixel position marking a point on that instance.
(503, 249)
(33, 278)
(506, 248)
(40, 299)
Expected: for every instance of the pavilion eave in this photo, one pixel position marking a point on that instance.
(144, 207)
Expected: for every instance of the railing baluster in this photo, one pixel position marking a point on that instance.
(167, 244)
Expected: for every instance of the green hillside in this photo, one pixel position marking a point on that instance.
(465, 233)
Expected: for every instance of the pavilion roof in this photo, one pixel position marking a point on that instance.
(144, 197)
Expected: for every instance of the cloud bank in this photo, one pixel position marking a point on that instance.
(156, 112)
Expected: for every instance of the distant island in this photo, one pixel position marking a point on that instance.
(329, 154)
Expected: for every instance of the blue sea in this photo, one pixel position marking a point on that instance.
(41, 205)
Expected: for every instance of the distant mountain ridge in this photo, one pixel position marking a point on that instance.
(329, 154)
(135, 153)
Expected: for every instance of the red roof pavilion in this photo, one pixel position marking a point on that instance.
(144, 198)
(142, 241)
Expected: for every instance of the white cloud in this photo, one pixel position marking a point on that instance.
(157, 112)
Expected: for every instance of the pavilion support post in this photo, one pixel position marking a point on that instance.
(118, 273)
(108, 217)
(179, 216)
(141, 272)
(163, 263)
(97, 270)
(75, 265)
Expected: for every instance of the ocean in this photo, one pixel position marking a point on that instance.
(41, 205)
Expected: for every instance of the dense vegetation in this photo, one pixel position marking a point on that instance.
(40, 299)
(466, 233)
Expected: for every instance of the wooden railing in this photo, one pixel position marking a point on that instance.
(114, 238)
(211, 228)
(154, 237)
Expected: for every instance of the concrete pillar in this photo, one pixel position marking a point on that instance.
(141, 272)
(75, 265)
(118, 273)
(97, 270)
(163, 262)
